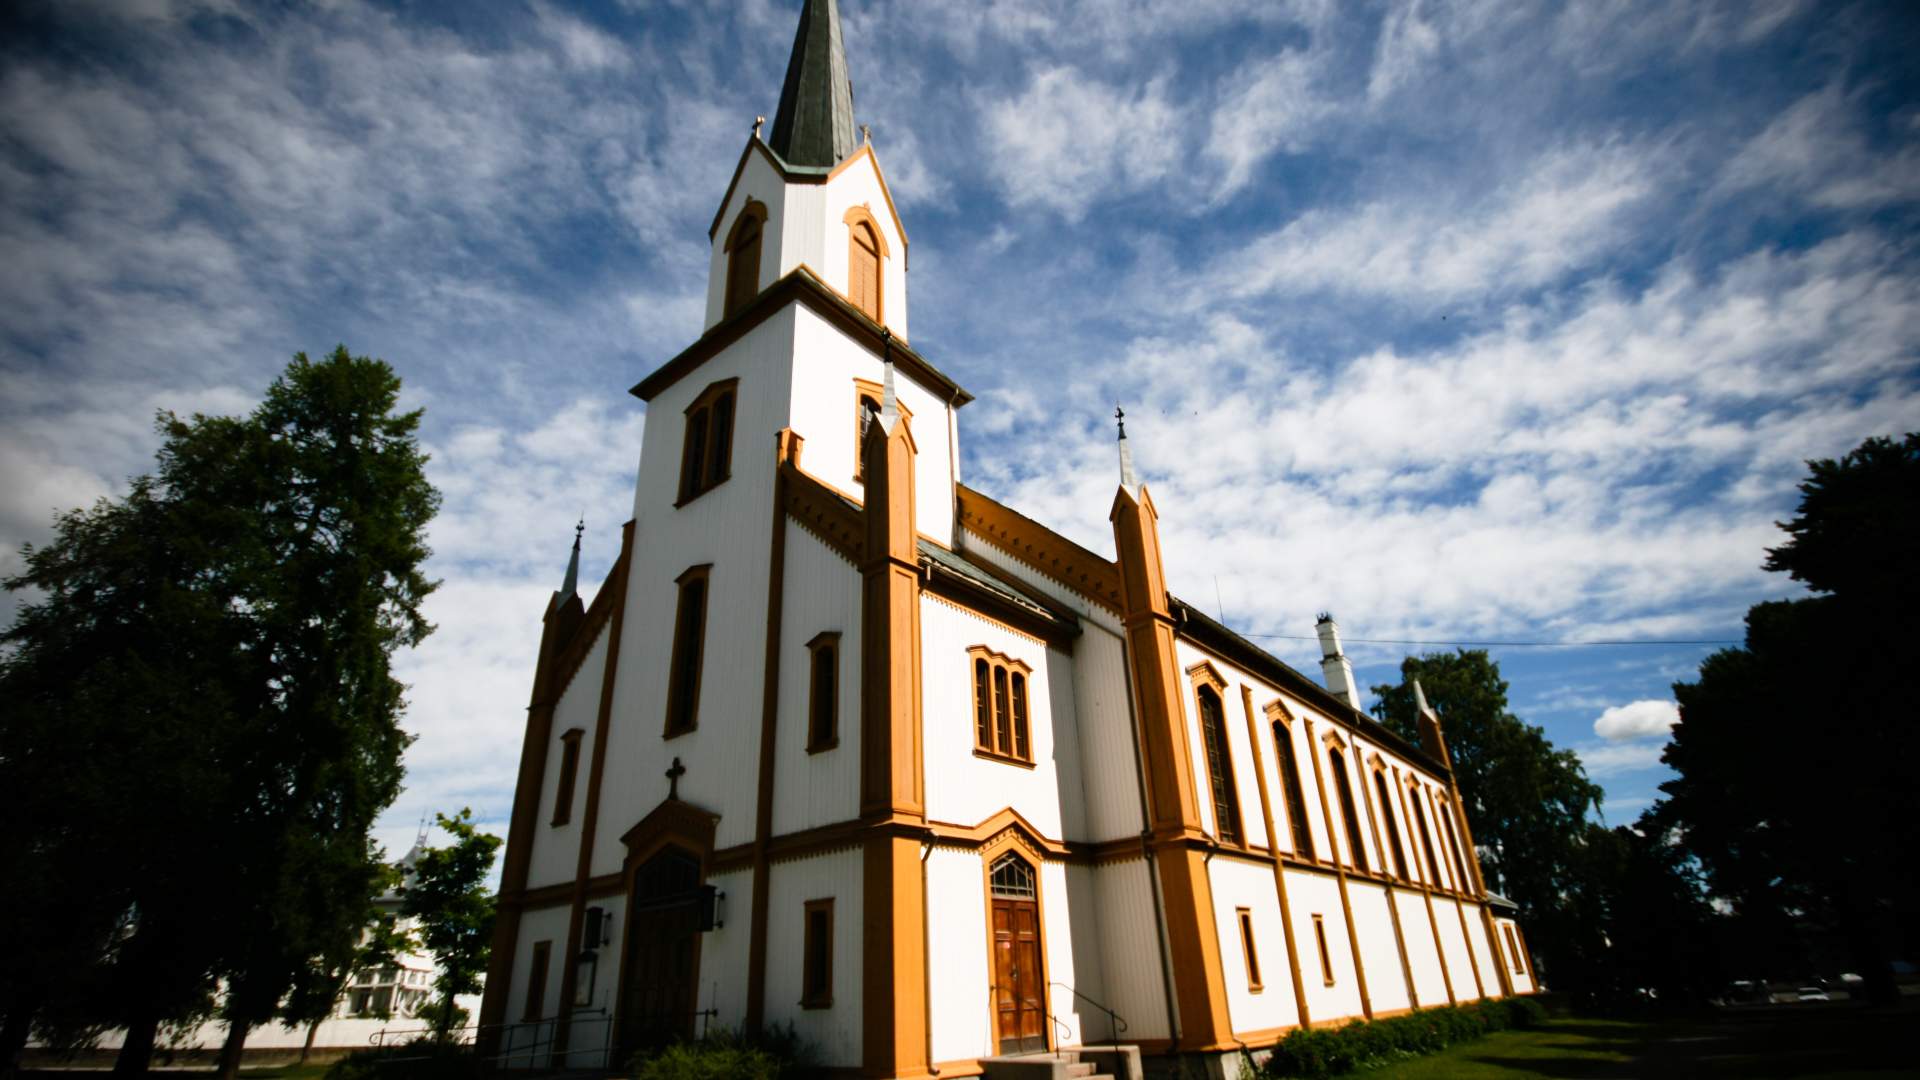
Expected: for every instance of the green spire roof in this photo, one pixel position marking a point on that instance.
(814, 125)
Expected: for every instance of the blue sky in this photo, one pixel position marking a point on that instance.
(1466, 321)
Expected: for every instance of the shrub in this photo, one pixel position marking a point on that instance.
(775, 1054)
(1326, 1052)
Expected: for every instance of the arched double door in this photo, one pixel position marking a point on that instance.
(1019, 972)
(663, 952)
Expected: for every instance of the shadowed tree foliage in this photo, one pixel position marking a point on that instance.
(1526, 802)
(1795, 751)
(449, 895)
(201, 721)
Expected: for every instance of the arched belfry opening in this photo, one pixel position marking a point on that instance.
(743, 256)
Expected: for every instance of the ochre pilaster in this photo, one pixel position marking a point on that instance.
(1172, 807)
(892, 789)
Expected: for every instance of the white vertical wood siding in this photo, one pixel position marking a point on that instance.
(1482, 950)
(729, 527)
(1108, 795)
(1522, 979)
(1130, 947)
(959, 950)
(1423, 953)
(1386, 981)
(822, 593)
(1249, 885)
(825, 363)
(1085, 971)
(1056, 939)
(859, 185)
(1454, 944)
(556, 848)
(723, 952)
(961, 788)
(1311, 894)
(1069, 762)
(757, 181)
(536, 925)
(834, 1031)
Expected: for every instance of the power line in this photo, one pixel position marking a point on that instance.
(1497, 644)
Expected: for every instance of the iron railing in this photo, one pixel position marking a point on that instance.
(1115, 1022)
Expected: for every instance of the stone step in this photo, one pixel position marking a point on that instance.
(1080, 1068)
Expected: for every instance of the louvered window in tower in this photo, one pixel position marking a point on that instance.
(863, 264)
(743, 257)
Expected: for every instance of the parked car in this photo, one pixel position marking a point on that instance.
(1812, 993)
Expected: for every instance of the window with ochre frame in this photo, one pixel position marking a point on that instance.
(689, 645)
(1295, 795)
(706, 449)
(743, 257)
(1211, 706)
(569, 770)
(866, 262)
(823, 692)
(1001, 726)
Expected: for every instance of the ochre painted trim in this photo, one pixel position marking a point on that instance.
(804, 286)
(590, 817)
(863, 214)
(1273, 846)
(1041, 548)
(1199, 983)
(1340, 874)
(1013, 839)
(866, 151)
(786, 451)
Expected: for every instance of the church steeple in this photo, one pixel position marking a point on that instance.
(814, 125)
(572, 583)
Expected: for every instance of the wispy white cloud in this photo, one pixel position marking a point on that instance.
(1637, 720)
(1068, 140)
(1614, 759)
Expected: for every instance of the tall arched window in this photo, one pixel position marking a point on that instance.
(1426, 839)
(1393, 825)
(866, 248)
(1213, 733)
(1290, 784)
(743, 257)
(1345, 789)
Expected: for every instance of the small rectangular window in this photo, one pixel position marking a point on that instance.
(823, 693)
(1513, 947)
(537, 981)
(1248, 950)
(689, 639)
(1320, 940)
(816, 970)
(569, 768)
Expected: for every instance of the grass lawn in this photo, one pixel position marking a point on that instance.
(1794, 1042)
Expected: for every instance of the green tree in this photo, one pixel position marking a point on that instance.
(1527, 803)
(448, 895)
(317, 990)
(221, 638)
(1792, 750)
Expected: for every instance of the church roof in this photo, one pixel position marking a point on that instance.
(960, 566)
(814, 124)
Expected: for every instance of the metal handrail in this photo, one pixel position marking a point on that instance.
(545, 1036)
(1115, 1022)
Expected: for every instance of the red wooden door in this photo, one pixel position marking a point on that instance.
(1019, 988)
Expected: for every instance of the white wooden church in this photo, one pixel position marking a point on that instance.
(843, 744)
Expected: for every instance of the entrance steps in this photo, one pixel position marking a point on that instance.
(1075, 1063)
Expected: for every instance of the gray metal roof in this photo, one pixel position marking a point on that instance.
(814, 124)
(960, 566)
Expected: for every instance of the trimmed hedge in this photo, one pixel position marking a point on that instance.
(1324, 1052)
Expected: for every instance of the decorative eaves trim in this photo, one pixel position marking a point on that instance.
(1041, 548)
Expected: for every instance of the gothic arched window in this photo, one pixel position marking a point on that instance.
(1393, 825)
(1001, 728)
(1345, 788)
(1213, 733)
(743, 257)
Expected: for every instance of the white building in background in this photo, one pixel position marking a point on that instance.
(845, 744)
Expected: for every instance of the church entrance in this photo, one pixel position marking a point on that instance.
(1019, 981)
(663, 952)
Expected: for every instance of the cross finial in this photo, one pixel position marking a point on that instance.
(673, 779)
(1127, 479)
(1120, 416)
(757, 122)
